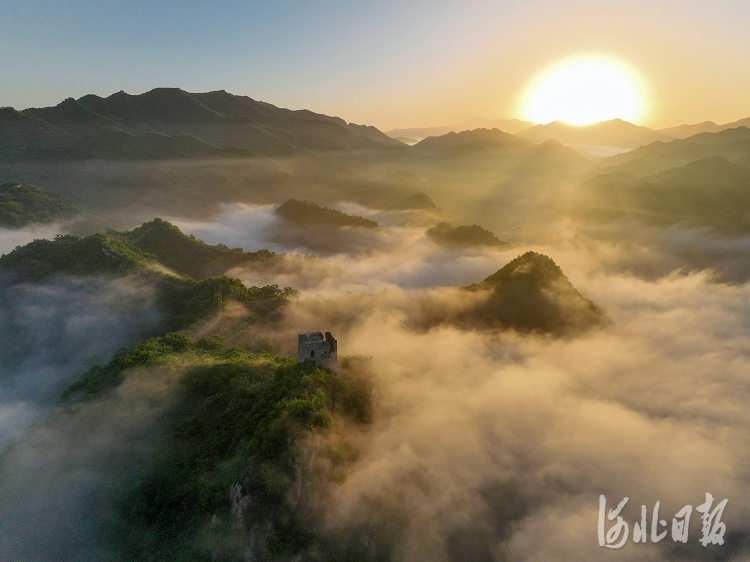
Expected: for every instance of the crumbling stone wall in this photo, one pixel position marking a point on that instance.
(313, 347)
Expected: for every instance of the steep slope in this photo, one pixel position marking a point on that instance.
(245, 430)
(188, 255)
(22, 204)
(98, 254)
(531, 293)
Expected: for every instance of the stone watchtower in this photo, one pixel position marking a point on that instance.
(314, 348)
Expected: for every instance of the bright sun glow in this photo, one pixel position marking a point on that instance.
(584, 90)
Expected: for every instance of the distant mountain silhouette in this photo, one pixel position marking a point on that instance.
(549, 157)
(415, 202)
(739, 123)
(405, 179)
(732, 144)
(512, 126)
(449, 140)
(684, 131)
(615, 132)
(463, 236)
(482, 159)
(217, 118)
(708, 192)
(473, 148)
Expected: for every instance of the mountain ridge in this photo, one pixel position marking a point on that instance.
(218, 118)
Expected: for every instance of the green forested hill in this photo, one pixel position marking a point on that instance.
(186, 254)
(531, 293)
(22, 204)
(236, 450)
(182, 300)
(304, 212)
(172, 123)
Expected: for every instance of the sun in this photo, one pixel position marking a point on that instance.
(583, 90)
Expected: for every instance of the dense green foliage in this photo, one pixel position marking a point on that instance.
(186, 254)
(462, 235)
(186, 301)
(67, 253)
(183, 300)
(304, 212)
(22, 204)
(152, 352)
(240, 420)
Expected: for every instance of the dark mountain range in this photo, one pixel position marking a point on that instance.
(480, 157)
(615, 132)
(684, 131)
(22, 204)
(463, 236)
(512, 126)
(449, 140)
(731, 144)
(219, 119)
(531, 293)
(304, 212)
(708, 192)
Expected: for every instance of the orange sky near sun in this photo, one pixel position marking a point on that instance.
(393, 63)
(692, 67)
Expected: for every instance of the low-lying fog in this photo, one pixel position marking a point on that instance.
(485, 445)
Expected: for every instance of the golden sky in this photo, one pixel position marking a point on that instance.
(387, 63)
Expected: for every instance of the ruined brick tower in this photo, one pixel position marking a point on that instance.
(314, 348)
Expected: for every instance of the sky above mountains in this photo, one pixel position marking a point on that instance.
(390, 64)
